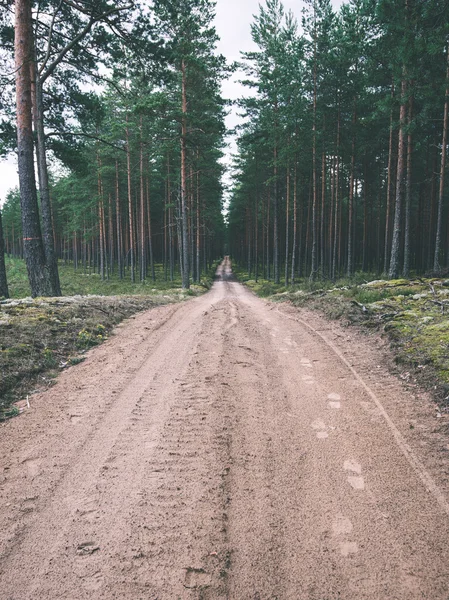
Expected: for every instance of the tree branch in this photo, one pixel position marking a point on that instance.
(85, 135)
(92, 21)
(50, 36)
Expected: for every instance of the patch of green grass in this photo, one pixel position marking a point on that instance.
(80, 283)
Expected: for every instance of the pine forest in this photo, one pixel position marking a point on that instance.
(341, 153)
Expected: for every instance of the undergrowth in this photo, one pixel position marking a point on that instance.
(89, 283)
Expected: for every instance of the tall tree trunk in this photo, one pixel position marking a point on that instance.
(287, 227)
(143, 254)
(171, 251)
(322, 220)
(389, 180)
(295, 222)
(110, 238)
(101, 221)
(256, 243)
(150, 232)
(436, 260)
(185, 239)
(397, 227)
(277, 275)
(314, 265)
(408, 194)
(44, 186)
(198, 229)
(350, 266)
(130, 206)
(268, 235)
(38, 273)
(4, 292)
(337, 198)
(118, 218)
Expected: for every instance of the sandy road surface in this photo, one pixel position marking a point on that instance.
(225, 448)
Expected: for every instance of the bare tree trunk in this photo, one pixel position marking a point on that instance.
(143, 256)
(314, 265)
(287, 227)
(268, 237)
(307, 241)
(185, 239)
(389, 177)
(118, 218)
(337, 199)
(350, 266)
(110, 238)
(365, 221)
(322, 220)
(277, 276)
(4, 292)
(256, 231)
(331, 216)
(295, 222)
(170, 225)
(38, 273)
(198, 230)
(130, 207)
(395, 247)
(44, 186)
(101, 221)
(436, 260)
(408, 194)
(150, 232)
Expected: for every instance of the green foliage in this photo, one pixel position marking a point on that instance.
(88, 338)
(324, 101)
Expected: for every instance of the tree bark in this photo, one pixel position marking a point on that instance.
(143, 265)
(4, 292)
(150, 232)
(295, 223)
(287, 227)
(322, 219)
(436, 260)
(395, 247)
(198, 230)
(38, 273)
(337, 199)
(350, 266)
(314, 265)
(389, 177)
(44, 186)
(185, 239)
(130, 206)
(408, 195)
(118, 218)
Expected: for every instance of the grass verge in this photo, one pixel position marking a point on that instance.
(412, 313)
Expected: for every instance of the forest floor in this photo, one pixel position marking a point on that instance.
(412, 314)
(227, 447)
(40, 337)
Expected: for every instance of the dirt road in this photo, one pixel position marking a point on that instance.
(225, 448)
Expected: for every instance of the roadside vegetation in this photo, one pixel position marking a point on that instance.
(39, 337)
(412, 313)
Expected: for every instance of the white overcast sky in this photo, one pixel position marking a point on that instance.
(233, 21)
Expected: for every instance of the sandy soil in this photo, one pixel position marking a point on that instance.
(226, 448)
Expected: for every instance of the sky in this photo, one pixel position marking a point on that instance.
(233, 21)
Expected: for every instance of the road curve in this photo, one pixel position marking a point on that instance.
(224, 448)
